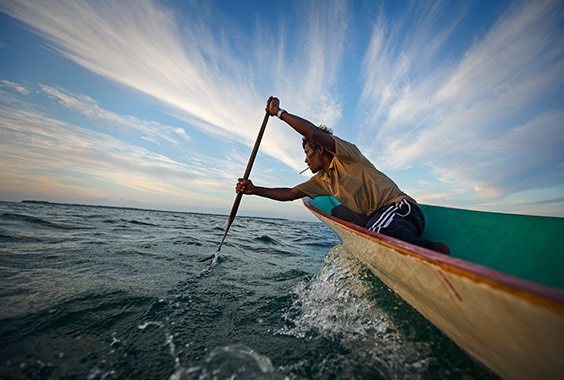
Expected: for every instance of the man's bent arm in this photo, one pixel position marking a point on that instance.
(309, 130)
(302, 126)
(279, 193)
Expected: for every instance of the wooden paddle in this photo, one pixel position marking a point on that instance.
(245, 177)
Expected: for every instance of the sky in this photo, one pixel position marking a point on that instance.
(157, 104)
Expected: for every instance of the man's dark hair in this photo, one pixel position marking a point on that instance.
(314, 144)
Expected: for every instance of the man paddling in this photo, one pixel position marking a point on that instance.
(370, 199)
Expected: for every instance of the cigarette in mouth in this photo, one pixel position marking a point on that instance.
(303, 170)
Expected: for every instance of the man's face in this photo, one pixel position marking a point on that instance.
(313, 158)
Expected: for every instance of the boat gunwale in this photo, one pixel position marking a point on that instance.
(551, 298)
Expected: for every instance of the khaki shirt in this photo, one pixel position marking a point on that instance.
(354, 181)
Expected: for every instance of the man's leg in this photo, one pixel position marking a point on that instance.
(344, 213)
(404, 221)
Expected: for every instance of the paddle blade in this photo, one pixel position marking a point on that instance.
(207, 258)
(229, 222)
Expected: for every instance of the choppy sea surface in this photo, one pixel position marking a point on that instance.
(107, 293)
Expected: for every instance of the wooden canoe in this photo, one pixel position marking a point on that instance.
(495, 303)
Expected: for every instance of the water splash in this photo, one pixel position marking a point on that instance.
(341, 303)
(231, 362)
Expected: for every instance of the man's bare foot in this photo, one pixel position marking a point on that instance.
(440, 247)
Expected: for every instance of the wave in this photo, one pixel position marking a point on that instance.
(140, 223)
(37, 221)
(316, 242)
(6, 237)
(131, 252)
(129, 221)
(291, 274)
(277, 251)
(186, 240)
(319, 244)
(266, 239)
(101, 309)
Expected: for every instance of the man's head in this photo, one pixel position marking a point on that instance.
(317, 157)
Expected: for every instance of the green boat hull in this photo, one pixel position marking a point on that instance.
(528, 247)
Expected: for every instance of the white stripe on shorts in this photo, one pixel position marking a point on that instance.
(385, 223)
(383, 217)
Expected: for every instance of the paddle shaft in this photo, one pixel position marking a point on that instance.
(245, 177)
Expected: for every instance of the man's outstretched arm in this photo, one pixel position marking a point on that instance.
(278, 193)
(302, 126)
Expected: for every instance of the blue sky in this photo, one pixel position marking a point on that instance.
(157, 104)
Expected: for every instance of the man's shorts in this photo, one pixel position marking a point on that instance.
(403, 220)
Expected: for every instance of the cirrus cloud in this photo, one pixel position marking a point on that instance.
(482, 120)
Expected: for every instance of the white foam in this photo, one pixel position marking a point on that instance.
(341, 302)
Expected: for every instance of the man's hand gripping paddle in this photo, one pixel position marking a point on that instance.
(245, 177)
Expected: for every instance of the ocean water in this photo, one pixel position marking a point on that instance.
(107, 293)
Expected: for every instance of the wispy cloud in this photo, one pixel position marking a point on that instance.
(182, 133)
(39, 150)
(85, 105)
(15, 86)
(196, 70)
(311, 68)
(433, 197)
(491, 120)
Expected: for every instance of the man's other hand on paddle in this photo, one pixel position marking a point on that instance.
(244, 186)
(279, 193)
